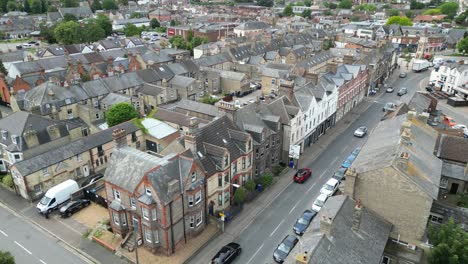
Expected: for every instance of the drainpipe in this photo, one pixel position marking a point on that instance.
(172, 229)
(183, 215)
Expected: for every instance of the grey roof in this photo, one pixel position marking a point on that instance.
(17, 55)
(182, 81)
(82, 11)
(420, 102)
(344, 245)
(385, 145)
(237, 76)
(193, 106)
(455, 171)
(37, 163)
(252, 25)
(175, 117)
(209, 61)
(150, 89)
(115, 98)
(452, 148)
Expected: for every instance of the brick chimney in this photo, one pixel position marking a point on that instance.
(348, 59)
(120, 137)
(332, 67)
(357, 216)
(326, 224)
(190, 137)
(410, 115)
(54, 132)
(351, 178)
(314, 77)
(406, 136)
(30, 136)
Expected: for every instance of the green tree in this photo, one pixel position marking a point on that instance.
(12, 6)
(2, 35)
(109, 5)
(288, 10)
(105, 23)
(6, 258)
(328, 13)
(250, 185)
(48, 33)
(178, 42)
(266, 179)
(462, 46)
(69, 17)
(136, 15)
(366, 7)
(462, 19)
(3, 69)
(51, 8)
(432, 12)
(308, 3)
(120, 113)
(393, 12)
(239, 196)
(27, 6)
(416, 5)
(70, 3)
(409, 14)
(68, 32)
(386, 6)
(36, 7)
(123, 2)
(267, 3)
(450, 244)
(154, 23)
(345, 4)
(402, 21)
(307, 13)
(7, 181)
(189, 36)
(96, 5)
(3, 6)
(330, 5)
(93, 32)
(131, 30)
(44, 6)
(355, 18)
(449, 8)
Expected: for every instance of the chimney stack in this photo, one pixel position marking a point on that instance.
(120, 137)
(351, 177)
(30, 136)
(406, 136)
(410, 115)
(190, 137)
(357, 216)
(326, 224)
(54, 132)
(423, 117)
(403, 160)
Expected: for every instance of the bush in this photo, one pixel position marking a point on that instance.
(250, 185)
(277, 170)
(8, 181)
(239, 195)
(266, 180)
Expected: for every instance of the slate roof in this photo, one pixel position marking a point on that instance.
(82, 11)
(455, 171)
(344, 245)
(17, 55)
(250, 120)
(452, 148)
(385, 145)
(175, 117)
(252, 25)
(39, 162)
(420, 102)
(149, 89)
(192, 106)
(115, 98)
(182, 81)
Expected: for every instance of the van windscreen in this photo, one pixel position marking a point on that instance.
(45, 200)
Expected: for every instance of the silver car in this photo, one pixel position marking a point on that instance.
(389, 107)
(360, 132)
(402, 91)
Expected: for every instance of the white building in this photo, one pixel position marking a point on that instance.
(450, 78)
(250, 27)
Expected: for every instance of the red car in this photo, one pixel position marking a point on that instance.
(302, 175)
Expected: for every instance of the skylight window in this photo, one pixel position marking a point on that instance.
(200, 154)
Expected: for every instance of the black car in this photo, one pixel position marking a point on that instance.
(73, 207)
(340, 174)
(227, 253)
(302, 223)
(283, 249)
(92, 179)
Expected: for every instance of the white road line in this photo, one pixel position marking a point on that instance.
(290, 211)
(3, 233)
(310, 188)
(336, 158)
(323, 173)
(43, 262)
(21, 246)
(256, 252)
(276, 228)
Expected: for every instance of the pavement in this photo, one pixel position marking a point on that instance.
(66, 234)
(263, 223)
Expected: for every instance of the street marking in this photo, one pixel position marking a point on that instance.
(43, 262)
(334, 160)
(21, 246)
(276, 228)
(323, 173)
(310, 188)
(3, 233)
(290, 211)
(256, 252)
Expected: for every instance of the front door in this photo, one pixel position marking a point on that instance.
(150, 145)
(454, 188)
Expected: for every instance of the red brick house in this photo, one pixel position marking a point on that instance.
(161, 15)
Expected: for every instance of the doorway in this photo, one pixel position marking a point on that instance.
(454, 188)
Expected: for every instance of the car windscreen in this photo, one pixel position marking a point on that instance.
(283, 247)
(45, 200)
(328, 187)
(302, 221)
(318, 202)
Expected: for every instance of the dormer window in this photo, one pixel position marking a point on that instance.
(15, 139)
(194, 176)
(226, 161)
(4, 134)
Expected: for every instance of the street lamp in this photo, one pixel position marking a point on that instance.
(135, 232)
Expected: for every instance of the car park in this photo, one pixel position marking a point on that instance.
(227, 254)
(303, 222)
(390, 89)
(73, 206)
(319, 202)
(403, 75)
(339, 175)
(402, 91)
(92, 179)
(284, 248)
(360, 132)
(302, 175)
(330, 187)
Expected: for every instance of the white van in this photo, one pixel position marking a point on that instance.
(57, 195)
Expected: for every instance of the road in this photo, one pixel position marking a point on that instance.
(260, 238)
(29, 245)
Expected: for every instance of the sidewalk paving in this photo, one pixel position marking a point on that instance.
(251, 210)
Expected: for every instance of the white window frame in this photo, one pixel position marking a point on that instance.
(98, 116)
(145, 213)
(190, 200)
(148, 236)
(198, 220)
(389, 260)
(198, 197)
(154, 214)
(227, 196)
(132, 202)
(117, 195)
(115, 218)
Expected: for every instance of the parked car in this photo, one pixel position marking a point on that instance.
(355, 152)
(330, 187)
(27, 45)
(340, 174)
(227, 254)
(360, 132)
(389, 107)
(449, 121)
(402, 91)
(283, 249)
(92, 179)
(319, 202)
(302, 175)
(429, 89)
(459, 126)
(303, 222)
(57, 195)
(403, 75)
(262, 98)
(433, 121)
(73, 207)
(19, 47)
(272, 95)
(348, 161)
(390, 89)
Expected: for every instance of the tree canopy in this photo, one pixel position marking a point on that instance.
(70, 3)
(462, 19)
(366, 7)
(432, 12)
(288, 10)
(416, 5)
(120, 113)
(267, 3)
(154, 23)
(462, 46)
(449, 8)
(393, 12)
(402, 21)
(3, 69)
(307, 13)
(96, 5)
(450, 244)
(345, 4)
(6, 258)
(131, 30)
(109, 5)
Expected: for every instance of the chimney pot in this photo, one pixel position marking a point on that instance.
(120, 137)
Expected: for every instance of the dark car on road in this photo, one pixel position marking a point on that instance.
(92, 179)
(340, 174)
(302, 175)
(73, 207)
(302, 223)
(283, 249)
(227, 254)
